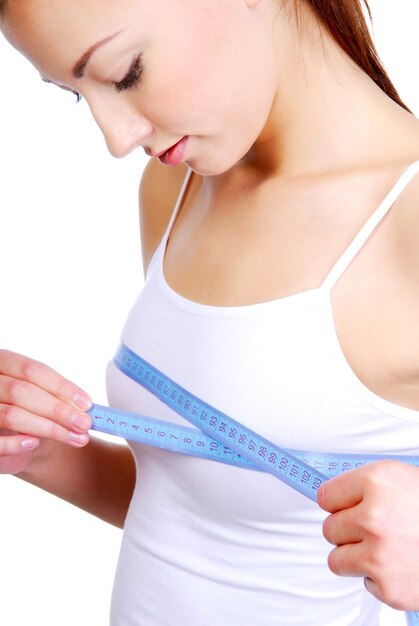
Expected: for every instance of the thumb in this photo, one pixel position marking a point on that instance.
(371, 587)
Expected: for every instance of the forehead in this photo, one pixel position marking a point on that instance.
(54, 33)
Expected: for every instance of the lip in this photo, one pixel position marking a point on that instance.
(158, 154)
(176, 154)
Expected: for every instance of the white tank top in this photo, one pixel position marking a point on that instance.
(208, 544)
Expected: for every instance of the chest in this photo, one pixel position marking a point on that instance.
(234, 249)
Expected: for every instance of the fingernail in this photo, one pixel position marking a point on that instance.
(81, 420)
(78, 438)
(30, 444)
(82, 401)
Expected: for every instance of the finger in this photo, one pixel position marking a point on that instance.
(391, 594)
(343, 527)
(18, 419)
(24, 368)
(16, 444)
(341, 492)
(347, 560)
(25, 395)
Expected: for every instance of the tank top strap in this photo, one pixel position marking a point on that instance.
(368, 228)
(160, 250)
(177, 206)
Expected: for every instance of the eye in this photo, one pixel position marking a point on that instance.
(133, 76)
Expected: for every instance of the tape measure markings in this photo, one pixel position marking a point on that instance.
(193, 442)
(233, 437)
(269, 457)
(164, 435)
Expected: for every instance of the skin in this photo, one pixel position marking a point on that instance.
(310, 125)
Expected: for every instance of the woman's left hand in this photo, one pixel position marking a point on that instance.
(374, 523)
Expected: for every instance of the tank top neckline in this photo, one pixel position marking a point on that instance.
(317, 302)
(322, 291)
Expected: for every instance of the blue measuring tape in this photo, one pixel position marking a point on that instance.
(221, 438)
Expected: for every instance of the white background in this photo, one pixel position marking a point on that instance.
(70, 270)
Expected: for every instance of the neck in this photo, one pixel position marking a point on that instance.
(327, 114)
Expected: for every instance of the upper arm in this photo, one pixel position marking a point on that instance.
(159, 189)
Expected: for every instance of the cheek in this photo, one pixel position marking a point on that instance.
(200, 87)
(191, 65)
(185, 90)
(211, 80)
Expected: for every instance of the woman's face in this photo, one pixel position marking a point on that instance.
(209, 69)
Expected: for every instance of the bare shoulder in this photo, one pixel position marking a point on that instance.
(159, 189)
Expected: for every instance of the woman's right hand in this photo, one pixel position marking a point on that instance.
(37, 406)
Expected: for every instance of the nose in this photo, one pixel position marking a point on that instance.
(123, 128)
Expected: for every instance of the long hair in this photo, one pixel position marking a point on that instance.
(345, 21)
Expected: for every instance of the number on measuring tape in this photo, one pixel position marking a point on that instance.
(221, 438)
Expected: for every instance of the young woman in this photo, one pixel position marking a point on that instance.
(281, 287)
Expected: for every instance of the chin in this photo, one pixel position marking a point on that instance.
(209, 169)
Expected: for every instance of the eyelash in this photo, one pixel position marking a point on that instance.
(76, 93)
(133, 76)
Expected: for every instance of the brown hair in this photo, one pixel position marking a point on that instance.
(345, 21)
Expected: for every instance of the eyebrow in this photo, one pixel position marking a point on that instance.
(80, 66)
